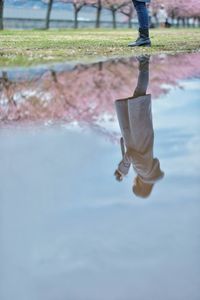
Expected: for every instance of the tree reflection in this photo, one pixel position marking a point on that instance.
(85, 93)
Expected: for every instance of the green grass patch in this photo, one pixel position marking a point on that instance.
(30, 47)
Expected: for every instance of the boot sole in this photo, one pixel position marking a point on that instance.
(142, 45)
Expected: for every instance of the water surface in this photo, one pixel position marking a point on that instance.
(68, 229)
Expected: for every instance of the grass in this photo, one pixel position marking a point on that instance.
(25, 48)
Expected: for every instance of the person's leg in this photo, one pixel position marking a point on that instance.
(142, 14)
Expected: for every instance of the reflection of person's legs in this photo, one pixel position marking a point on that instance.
(143, 78)
(143, 20)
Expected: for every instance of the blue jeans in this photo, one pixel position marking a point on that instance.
(142, 14)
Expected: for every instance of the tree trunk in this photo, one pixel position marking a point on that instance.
(99, 8)
(129, 22)
(193, 23)
(75, 17)
(178, 22)
(1, 14)
(114, 18)
(172, 21)
(49, 8)
(100, 66)
(7, 85)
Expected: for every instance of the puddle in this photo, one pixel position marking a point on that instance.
(69, 229)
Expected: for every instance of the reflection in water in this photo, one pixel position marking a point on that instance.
(84, 93)
(68, 230)
(135, 120)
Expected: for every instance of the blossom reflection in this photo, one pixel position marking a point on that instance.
(135, 121)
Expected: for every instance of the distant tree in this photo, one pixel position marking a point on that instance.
(99, 6)
(180, 10)
(123, 6)
(114, 6)
(77, 5)
(128, 11)
(1, 14)
(49, 8)
(99, 9)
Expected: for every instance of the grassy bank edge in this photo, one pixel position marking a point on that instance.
(33, 47)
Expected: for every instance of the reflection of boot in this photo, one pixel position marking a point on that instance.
(143, 58)
(143, 62)
(142, 40)
(143, 78)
